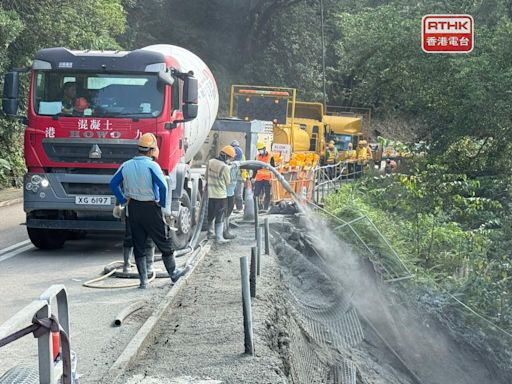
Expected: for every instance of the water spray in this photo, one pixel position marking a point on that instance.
(256, 164)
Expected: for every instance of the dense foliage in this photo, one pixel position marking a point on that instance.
(27, 26)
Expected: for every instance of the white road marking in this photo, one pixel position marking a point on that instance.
(20, 244)
(16, 252)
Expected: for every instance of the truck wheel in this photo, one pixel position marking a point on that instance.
(197, 210)
(184, 224)
(47, 238)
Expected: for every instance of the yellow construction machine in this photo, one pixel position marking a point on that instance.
(304, 129)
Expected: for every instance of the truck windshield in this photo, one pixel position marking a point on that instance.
(97, 94)
(341, 141)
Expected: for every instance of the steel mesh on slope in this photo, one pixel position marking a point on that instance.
(343, 373)
(336, 326)
(305, 365)
(324, 327)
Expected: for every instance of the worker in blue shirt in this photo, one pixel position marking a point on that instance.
(146, 208)
(149, 249)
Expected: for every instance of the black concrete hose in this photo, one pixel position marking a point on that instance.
(127, 312)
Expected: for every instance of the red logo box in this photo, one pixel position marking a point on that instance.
(447, 33)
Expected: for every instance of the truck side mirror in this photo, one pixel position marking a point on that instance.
(190, 111)
(10, 95)
(190, 96)
(190, 90)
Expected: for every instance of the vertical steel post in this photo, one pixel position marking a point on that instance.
(45, 351)
(252, 277)
(246, 305)
(267, 237)
(258, 249)
(256, 221)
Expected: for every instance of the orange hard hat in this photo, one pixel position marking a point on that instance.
(228, 150)
(147, 141)
(81, 104)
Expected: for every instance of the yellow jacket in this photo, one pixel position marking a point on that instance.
(351, 154)
(331, 155)
(218, 176)
(363, 153)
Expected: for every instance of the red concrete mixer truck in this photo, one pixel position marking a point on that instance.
(86, 111)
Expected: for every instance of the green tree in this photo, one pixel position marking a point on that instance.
(27, 26)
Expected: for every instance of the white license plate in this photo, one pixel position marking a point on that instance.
(93, 200)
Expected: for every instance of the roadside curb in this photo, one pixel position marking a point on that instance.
(11, 202)
(138, 342)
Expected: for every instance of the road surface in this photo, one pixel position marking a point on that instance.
(25, 272)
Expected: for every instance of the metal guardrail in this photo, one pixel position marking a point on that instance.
(329, 178)
(40, 309)
(50, 371)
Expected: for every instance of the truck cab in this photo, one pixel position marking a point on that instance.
(343, 130)
(85, 112)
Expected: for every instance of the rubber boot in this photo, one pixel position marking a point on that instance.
(249, 205)
(219, 231)
(150, 259)
(211, 234)
(239, 204)
(127, 252)
(170, 266)
(143, 273)
(266, 202)
(178, 272)
(227, 235)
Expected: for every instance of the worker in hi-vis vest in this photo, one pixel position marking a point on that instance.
(330, 159)
(263, 176)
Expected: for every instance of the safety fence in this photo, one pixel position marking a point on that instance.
(48, 319)
(301, 181)
(312, 184)
(329, 178)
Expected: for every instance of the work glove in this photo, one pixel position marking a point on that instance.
(119, 212)
(168, 218)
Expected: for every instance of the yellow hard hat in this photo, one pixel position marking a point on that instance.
(350, 145)
(364, 142)
(331, 145)
(260, 145)
(228, 150)
(331, 142)
(147, 141)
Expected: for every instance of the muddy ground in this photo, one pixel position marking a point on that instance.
(321, 315)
